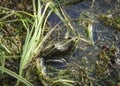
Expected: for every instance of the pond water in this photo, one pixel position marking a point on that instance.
(105, 37)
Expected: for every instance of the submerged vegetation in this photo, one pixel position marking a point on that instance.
(35, 52)
(111, 21)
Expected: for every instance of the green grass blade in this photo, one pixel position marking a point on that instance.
(90, 33)
(9, 72)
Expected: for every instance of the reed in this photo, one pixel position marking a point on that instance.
(34, 40)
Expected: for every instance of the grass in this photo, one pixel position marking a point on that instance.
(27, 46)
(35, 25)
(34, 40)
(35, 28)
(20, 78)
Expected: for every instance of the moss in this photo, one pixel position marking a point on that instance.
(110, 21)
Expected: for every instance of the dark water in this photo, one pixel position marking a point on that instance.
(103, 36)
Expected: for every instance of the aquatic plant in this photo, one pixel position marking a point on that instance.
(110, 20)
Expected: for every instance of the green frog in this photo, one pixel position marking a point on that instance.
(60, 48)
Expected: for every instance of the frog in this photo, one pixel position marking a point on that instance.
(58, 49)
(55, 56)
